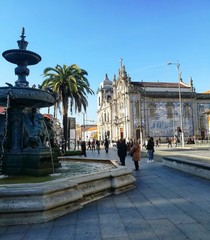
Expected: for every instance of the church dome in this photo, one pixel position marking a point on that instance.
(106, 83)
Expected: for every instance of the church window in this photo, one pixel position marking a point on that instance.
(137, 108)
(202, 122)
(169, 109)
(187, 110)
(152, 110)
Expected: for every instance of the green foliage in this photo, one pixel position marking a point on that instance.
(73, 153)
(71, 87)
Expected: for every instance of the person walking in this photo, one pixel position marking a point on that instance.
(106, 145)
(122, 151)
(89, 145)
(93, 145)
(169, 141)
(83, 148)
(150, 149)
(98, 146)
(136, 154)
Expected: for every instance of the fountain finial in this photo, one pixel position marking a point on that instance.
(23, 31)
(22, 44)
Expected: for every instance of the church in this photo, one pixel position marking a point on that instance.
(138, 110)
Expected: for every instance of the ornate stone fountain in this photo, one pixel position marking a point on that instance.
(24, 150)
(24, 134)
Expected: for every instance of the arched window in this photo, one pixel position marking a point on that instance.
(109, 98)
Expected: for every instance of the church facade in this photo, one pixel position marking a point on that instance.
(138, 110)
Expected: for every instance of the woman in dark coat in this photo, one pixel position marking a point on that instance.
(136, 154)
(122, 151)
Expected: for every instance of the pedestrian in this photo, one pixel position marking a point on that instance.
(150, 149)
(136, 154)
(122, 151)
(169, 141)
(83, 148)
(106, 145)
(98, 146)
(157, 143)
(89, 145)
(78, 143)
(93, 145)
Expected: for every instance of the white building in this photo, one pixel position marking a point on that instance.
(135, 110)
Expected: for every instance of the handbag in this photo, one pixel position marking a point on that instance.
(134, 151)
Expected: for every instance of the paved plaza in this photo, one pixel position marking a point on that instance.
(165, 205)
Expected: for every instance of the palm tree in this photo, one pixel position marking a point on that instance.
(71, 87)
(79, 98)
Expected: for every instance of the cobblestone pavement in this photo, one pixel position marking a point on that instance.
(165, 205)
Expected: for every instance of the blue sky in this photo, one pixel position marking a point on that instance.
(95, 34)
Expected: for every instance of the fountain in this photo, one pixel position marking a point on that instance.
(24, 151)
(24, 138)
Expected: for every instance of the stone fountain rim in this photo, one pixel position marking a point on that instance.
(38, 203)
(75, 179)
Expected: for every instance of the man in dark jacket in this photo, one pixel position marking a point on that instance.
(106, 145)
(122, 151)
(83, 148)
(150, 149)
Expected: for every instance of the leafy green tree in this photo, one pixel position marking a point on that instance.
(71, 87)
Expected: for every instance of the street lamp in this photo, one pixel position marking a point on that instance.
(180, 101)
(83, 127)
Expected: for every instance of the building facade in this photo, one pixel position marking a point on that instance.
(86, 132)
(137, 110)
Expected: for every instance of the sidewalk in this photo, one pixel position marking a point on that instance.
(166, 205)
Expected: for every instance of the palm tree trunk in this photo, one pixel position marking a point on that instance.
(65, 133)
(65, 123)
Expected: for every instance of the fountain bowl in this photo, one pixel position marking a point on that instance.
(41, 202)
(26, 97)
(18, 56)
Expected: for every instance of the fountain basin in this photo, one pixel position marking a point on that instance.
(26, 97)
(18, 56)
(42, 202)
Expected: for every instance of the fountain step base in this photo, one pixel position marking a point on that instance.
(29, 163)
(42, 202)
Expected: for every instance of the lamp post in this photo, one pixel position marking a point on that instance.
(83, 137)
(180, 101)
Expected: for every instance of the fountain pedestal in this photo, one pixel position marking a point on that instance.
(28, 162)
(25, 138)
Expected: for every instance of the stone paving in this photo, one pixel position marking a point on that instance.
(166, 204)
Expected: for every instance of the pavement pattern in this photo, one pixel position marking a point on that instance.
(165, 205)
